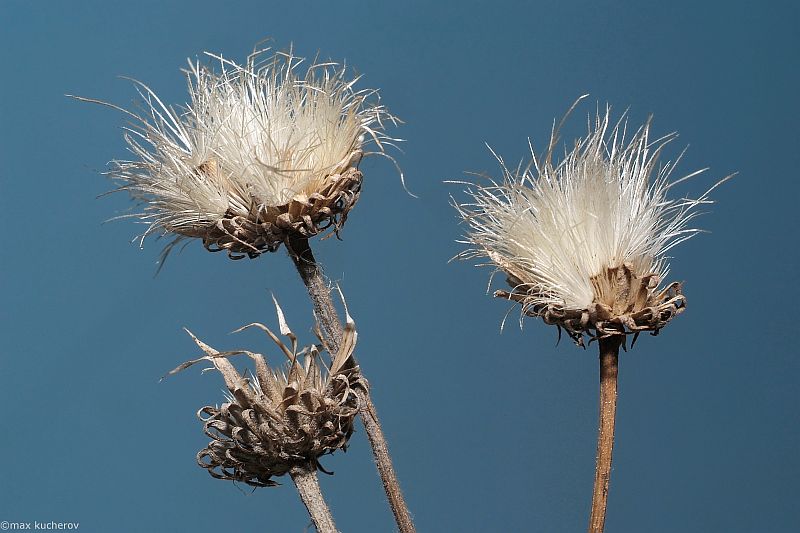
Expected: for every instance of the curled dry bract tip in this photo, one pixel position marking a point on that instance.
(274, 420)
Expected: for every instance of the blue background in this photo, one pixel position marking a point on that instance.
(489, 431)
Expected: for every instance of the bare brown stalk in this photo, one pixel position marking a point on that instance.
(609, 364)
(331, 328)
(305, 479)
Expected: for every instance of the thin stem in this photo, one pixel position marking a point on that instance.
(305, 478)
(331, 327)
(311, 274)
(380, 450)
(609, 359)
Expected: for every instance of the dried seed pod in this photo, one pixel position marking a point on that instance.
(276, 419)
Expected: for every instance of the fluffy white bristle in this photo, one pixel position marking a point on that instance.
(259, 133)
(556, 226)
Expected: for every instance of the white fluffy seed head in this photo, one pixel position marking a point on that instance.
(553, 228)
(261, 134)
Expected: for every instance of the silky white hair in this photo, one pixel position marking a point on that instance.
(554, 227)
(261, 133)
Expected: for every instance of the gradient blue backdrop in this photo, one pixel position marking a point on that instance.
(489, 431)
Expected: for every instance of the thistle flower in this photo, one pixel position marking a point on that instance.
(584, 242)
(264, 154)
(262, 151)
(583, 245)
(278, 420)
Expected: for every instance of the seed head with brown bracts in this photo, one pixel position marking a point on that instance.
(277, 419)
(583, 243)
(262, 152)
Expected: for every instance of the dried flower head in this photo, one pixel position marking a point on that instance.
(262, 151)
(583, 243)
(276, 419)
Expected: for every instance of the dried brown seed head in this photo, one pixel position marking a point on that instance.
(624, 303)
(276, 419)
(263, 228)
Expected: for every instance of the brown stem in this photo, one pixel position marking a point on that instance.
(328, 318)
(609, 359)
(305, 478)
(311, 274)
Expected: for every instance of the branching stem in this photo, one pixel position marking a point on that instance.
(331, 327)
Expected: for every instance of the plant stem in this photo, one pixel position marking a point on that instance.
(331, 327)
(311, 274)
(305, 478)
(609, 363)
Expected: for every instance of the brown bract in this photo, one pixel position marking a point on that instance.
(624, 304)
(274, 421)
(264, 227)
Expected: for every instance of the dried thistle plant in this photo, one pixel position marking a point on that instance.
(281, 421)
(584, 246)
(262, 151)
(265, 153)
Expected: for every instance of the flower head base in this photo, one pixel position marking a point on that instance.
(626, 303)
(260, 153)
(583, 243)
(275, 420)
